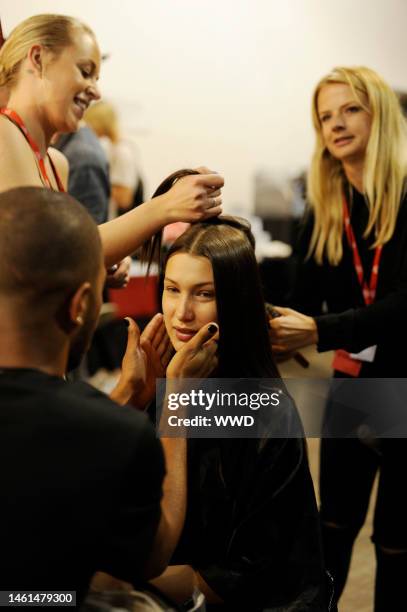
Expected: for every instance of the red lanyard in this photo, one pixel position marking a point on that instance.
(369, 290)
(16, 119)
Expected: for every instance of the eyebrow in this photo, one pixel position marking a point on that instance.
(196, 285)
(353, 101)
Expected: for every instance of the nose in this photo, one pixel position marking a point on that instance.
(184, 310)
(338, 123)
(93, 91)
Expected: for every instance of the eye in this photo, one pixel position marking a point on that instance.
(86, 73)
(324, 118)
(353, 109)
(171, 289)
(206, 294)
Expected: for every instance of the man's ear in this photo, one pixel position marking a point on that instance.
(79, 304)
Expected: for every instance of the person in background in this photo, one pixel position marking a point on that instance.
(353, 258)
(124, 167)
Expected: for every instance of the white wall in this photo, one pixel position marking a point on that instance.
(227, 83)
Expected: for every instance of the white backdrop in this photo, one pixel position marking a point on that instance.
(227, 83)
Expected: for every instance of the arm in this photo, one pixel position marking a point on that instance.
(197, 359)
(189, 199)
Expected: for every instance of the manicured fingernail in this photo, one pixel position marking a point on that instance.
(212, 328)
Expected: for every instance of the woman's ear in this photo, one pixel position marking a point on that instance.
(79, 305)
(36, 58)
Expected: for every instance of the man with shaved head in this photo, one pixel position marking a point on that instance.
(81, 477)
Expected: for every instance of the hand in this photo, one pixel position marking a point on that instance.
(197, 359)
(291, 331)
(134, 367)
(158, 350)
(118, 276)
(194, 198)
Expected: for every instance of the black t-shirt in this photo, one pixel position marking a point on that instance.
(350, 324)
(80, 485)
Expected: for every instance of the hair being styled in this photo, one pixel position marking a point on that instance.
(244, 346)
(49, 245)
(54, 32)
(384, 171)
(151, 250)
(101, 117)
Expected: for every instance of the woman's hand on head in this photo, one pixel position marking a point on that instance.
(118, 276)
(194, 198)
(197, 359)
(292, 330)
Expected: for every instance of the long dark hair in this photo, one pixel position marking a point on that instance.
(228, 243)
(151, 250)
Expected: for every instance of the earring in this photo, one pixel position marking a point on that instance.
(79, 320)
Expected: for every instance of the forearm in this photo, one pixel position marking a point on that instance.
(179, 581)
(174, 499)
(124, 235)
(358, 328)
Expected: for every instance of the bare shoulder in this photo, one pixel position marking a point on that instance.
(61, 164)
(17, 163)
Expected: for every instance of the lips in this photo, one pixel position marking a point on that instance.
(81, 104)
(183, 334)
(342, 140)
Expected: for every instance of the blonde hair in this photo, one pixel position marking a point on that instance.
(102, 118)
(384, 172)
(54, 32)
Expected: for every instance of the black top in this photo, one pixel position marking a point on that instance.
(350, 324)
(252, 526)
(80, 482)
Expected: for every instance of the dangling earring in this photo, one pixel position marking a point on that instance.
(79, 320)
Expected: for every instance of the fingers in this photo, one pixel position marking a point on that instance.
(204, 170)
(166, 357)
(153, 328)
(210, 180)
(202, 336)
(163, 346)
(133, 332)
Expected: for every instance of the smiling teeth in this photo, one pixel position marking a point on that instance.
(81, 103)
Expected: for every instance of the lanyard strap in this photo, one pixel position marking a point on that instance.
(368, 290)
(16, 119)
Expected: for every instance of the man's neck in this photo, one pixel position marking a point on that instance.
(20, 350)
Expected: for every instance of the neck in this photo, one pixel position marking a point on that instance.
(33, 118)
(354, 173)
(22, 348)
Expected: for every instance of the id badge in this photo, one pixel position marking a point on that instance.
(346, 364)
(368, 354)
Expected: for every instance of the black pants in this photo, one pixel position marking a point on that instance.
(348, 470)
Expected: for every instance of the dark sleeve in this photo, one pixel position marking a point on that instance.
(274, 556)
(307, 296)
(129, 537)
(358, 328)
(89, 185)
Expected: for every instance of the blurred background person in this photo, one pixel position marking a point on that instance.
(127, 190)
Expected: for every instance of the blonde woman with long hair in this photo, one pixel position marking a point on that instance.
(49, 70)
(353, 259)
